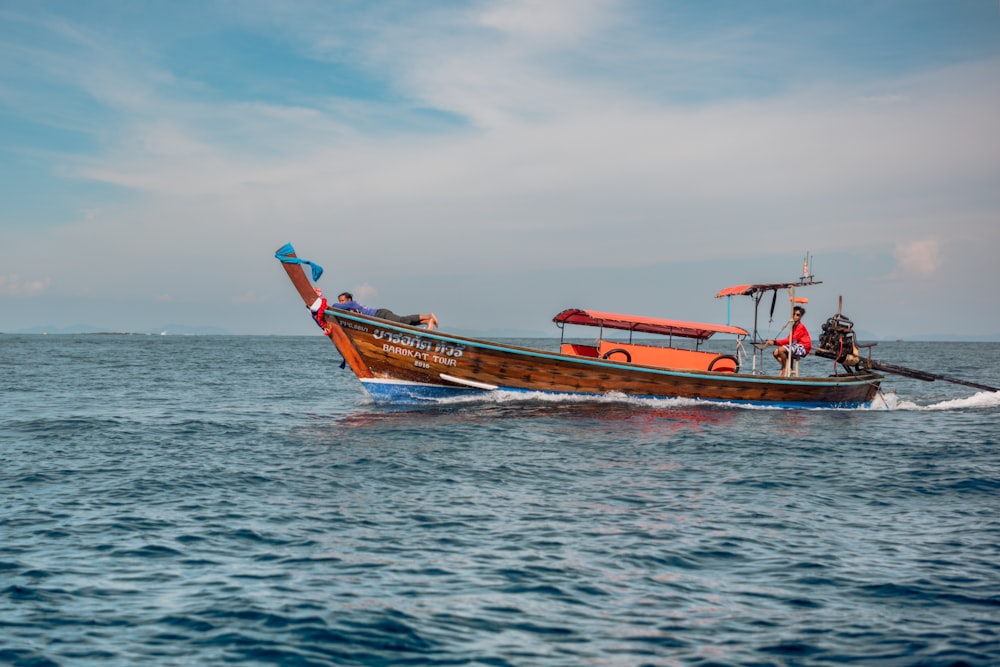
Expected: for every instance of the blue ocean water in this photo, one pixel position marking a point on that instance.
(194, 500)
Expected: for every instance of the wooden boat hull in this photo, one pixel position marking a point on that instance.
(397, 363)
(404, 364)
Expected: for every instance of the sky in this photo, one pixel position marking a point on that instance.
(498, 162)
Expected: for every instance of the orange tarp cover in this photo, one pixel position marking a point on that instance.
(593, 318)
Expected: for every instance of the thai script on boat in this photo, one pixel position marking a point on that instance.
(440, 348)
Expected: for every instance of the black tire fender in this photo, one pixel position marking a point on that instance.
(719, 358)
(628, 357)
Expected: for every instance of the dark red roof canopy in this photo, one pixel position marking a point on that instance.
(593, 318)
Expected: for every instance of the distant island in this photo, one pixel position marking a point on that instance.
(169, 330)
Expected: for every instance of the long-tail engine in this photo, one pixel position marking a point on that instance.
(838, 342)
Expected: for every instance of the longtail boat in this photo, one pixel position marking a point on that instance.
(398, 363)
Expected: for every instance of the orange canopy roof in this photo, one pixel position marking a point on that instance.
(748, 290)
(593, 318)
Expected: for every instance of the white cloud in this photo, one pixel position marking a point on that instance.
(551, 22)
(365, 294)
(558, 157)
(12, 285)
(920, 258)
(628, 184)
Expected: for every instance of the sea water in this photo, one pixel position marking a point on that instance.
(172, 500)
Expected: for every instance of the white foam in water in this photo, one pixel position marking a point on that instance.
(883, 401)
(506, 397)
(982, 399)
(501, 397)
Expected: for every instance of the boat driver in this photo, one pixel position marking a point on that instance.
(797, 342)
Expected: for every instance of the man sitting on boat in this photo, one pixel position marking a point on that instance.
(798, 342)
(346, 302)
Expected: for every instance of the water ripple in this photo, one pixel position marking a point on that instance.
(281, 519)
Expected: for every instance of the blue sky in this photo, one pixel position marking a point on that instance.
(496, 162)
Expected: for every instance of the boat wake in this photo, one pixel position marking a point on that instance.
(884, 401)
(535, 397)
(502, 397)
(980, 400)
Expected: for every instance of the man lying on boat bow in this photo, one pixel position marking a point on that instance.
(345, 301)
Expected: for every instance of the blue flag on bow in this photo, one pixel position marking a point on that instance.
(285, 253)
